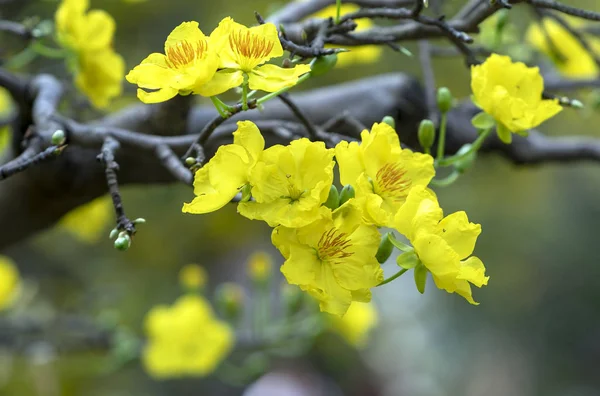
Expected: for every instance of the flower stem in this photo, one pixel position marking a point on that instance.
(448, 180)
(245, 92)
(338, 7)
(48, 52)
(473, 149)
(393, 277)
(442, 138)
(219, 106)
(400, 245)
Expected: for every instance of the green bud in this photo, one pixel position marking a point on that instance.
(502, 20)
(123, 242)
(444, 99)
(426, 134)
(386, 247)
(113, 234)
(58, 137)
(190, 161)
(293, 298)
(420, 277)
(139, 220)
(408, 260)
(230, 298)
(390, 121)
(323, 64)
(333, 199)
(246, 193)
(467, 161)
(346, 194)
(576, 104)
(287, 63)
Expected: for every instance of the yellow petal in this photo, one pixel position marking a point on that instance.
(100, 76)
(248, 136)
(268, 32)
(151, 73)
(439, 258)
(161, 95)
(350, 161)
(222, 81)
(301, 266)
(419, 202)
(185, 32)
(219, 38)
(459, 233)
(473, 270)
(335, 299)
(100, 29)
(9, 282)
(271, 78)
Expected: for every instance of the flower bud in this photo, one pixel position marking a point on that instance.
(390, 121)
(246, 193)
(346, 194)
(113, 233)
(230, 300)
(420, 277)
(444, 99)
(190, 161)
(323, 64)
(426, 134)
(502, 20)
(193, 277)
(58, 138)
(385, 249)
(260, 268)
(333, 199)
(139, 220)
(123, 242)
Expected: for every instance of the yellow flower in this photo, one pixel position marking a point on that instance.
(333, 259)
(88, 36)
(193, 276)
(9, 282)
(5, 109)
(190, 62)
(442, 244)
(185, 339)
(88, 222)
(99, 76)
(260, 265)
(290, 183)
(570, 57)
(512, 94)
(217, 182)
(381, 172)
(356, 324)
(243, 52)
(361, 53)
(80, 30)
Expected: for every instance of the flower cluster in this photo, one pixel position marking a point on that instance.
(88, 37)
(330, 241)
(231, 56)
(185, 339)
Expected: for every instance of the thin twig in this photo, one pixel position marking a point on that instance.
(310, 128)
(31, 156)
(173, 164)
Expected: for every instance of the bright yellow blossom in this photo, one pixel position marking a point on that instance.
(243, 53)
(442, 244)
(356, 324)
(88, 36)
(189, 66)
(333, 259)
(5, 109)
(290, 183)
(511, 92)
(9, 282)
(193, 276)
(570, 57)
(260, 265)
(185, 339)
(89, 222)
(381, 172)
(217, 182)
(358, 54)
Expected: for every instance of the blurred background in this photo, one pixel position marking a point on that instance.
(536, 332)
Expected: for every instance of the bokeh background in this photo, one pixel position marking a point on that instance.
(536, 332)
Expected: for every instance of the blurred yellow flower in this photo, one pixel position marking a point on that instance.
(243, 52)
(189, 63)
(289, 184)
(185, 339)
(359, 54)
(569, 56)
(193, 276)
(217, 182)
(381, 172)
(88, 222)
(5, 109)
(88, 36)
(442, 244)
(356, 324)
(511, 92)
(260, 266)
(333, 259)
(9, 282)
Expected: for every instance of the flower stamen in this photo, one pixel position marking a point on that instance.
(391, 181)
(183, 53)
(332, 246)
(250, 47)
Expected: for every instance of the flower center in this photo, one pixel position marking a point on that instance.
(250, 49)
(391, 181)
(183, 53)
(332, 246)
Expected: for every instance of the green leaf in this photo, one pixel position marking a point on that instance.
(408, 260)
(483, 121)
(420, 277)
(504, 134)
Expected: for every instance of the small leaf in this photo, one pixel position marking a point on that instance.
(483, 121)
(504, 134)
(420, 277)
(408, 260)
